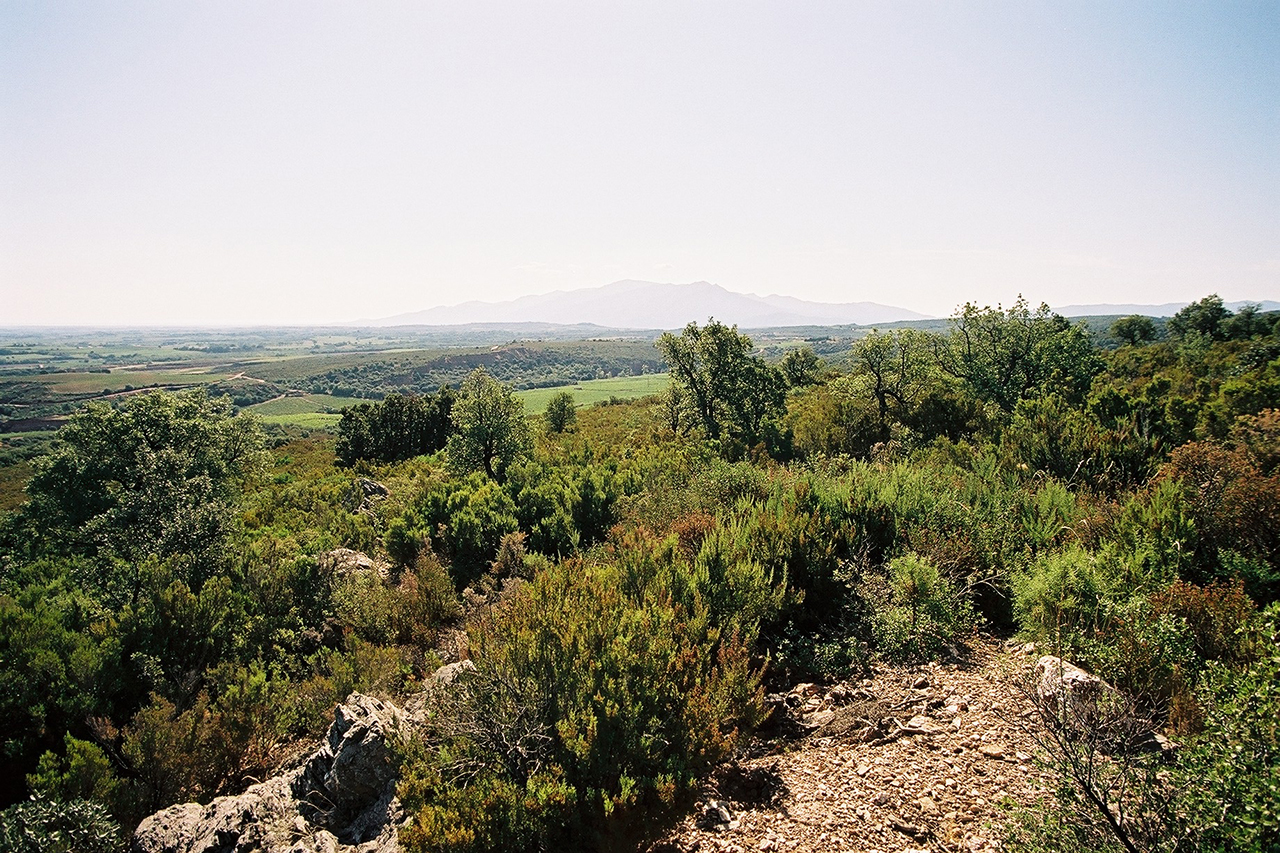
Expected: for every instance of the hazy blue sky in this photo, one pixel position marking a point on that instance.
(295, 162)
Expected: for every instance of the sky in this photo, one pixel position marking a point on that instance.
(305, 162)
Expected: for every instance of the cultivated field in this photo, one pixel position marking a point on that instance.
(597, 390)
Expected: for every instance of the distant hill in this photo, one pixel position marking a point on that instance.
(649, 305)
(1168, 309)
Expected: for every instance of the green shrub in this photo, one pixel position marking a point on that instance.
(1232, 771)
(1061, 598)
(84, 773)
(598, 703)
(922, 613)
(50, 826)
(215, 746)
(1220, 793)
(465, 520)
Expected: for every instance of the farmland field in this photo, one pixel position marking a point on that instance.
(597, 390)
(306, 404)
(117, 379)
(305, 420)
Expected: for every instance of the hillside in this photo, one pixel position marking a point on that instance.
(1020, 596)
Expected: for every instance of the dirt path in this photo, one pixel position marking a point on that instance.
(912, 759)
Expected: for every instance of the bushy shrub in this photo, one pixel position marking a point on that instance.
(464, 520)
(922, 614)
(598, 703)
(51, 826)
(216, 745)
(83, 773)
(1235, 506)
(1232, 772)
(1221, 791)
(1061, 598)
(1047, 434)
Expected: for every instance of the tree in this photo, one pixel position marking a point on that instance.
(895, 367)
(728, 391)
(490, 430)
(154, 477)
(397, 428)
(1249, 322)
(561, 412)
(1208, 317)
(1004, 357)
(801, 367)
(1134, 329)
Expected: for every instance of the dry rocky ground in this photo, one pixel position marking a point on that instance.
(913, 759)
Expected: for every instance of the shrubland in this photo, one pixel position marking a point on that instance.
(175, 612)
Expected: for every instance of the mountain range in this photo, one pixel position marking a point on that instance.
(1167, 309)
(650, 305)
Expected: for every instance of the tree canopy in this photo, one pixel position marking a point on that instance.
(730, 393)
(490, 429)
(1134, 329)
(1207, 317)
(561, 412)
(1007, 356)
(399, 427)
(152, 477)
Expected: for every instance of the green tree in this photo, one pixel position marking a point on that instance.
(400, 427)
(729, 392)
(154, 477)
(801, 367)
(1207, 317)
(1248, 322)
(895, 368)
(1134, 329)
(490, 429)
(1007, 356)
(561, 412)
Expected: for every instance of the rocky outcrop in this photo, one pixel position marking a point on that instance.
(1069, 693)
(364, 495)
(340, 799)
(344, 561)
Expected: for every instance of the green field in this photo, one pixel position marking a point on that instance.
(306, 404)
(306, 420)
(597, 390)
(96, 383)
(308, 410)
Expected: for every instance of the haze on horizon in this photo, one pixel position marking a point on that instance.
(242, 163)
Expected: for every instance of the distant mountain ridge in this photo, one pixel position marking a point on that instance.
(1167, 309)
(650, 305)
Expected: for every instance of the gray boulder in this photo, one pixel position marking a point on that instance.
(340, 799)
(344, 561)
(1073, 695)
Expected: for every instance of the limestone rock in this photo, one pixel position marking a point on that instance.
(344, 561)
(1066, 691)
(364, 495)
(450, 672)
(340, 797)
